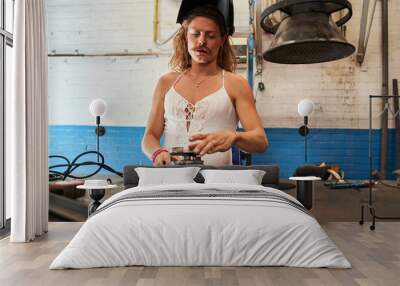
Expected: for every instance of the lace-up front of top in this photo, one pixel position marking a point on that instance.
(213, 113)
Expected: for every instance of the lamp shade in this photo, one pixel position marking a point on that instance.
(305, 31)
(305, 107)
(98, 107)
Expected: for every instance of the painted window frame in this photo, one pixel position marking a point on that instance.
(6, 39)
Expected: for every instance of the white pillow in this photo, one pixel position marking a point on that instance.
(248, 177)
(166, 176)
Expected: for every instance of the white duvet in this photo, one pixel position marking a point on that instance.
(200, 231)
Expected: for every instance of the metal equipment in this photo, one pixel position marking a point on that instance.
(306, 32)
(181, 157)
(369, 204)
(396, 103)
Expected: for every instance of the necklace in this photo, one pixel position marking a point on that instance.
(197, 83)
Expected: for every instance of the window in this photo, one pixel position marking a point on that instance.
(6, 43)
(9, 19)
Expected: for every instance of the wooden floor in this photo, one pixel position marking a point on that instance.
(374, 255)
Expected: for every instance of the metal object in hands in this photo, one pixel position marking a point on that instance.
(180, 157)
(306, 32)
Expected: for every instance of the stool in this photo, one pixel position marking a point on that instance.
(304, 190)
(96, 193)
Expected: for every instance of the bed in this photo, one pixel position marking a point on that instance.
(197, 224)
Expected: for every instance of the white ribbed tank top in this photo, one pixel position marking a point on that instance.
(213, 113)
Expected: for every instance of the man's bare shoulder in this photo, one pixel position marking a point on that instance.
(166, 80)
(236, 82)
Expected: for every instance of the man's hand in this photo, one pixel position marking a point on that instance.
(212, 142)
(164, 158)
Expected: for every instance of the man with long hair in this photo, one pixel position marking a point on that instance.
(198, 104)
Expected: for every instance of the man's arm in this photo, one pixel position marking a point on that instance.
(155, 122)
(253, 139)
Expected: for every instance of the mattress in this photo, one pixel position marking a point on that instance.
(201, 225)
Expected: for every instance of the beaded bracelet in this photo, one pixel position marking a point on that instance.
(158, 152)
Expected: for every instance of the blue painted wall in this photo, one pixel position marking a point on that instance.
(120, 146)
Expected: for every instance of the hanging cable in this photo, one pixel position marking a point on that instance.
(72, 166)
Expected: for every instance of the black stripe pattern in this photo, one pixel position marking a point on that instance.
(207, 194)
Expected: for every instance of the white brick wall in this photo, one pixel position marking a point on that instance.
(340, 89)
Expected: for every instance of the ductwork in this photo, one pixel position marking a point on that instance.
(306, 32)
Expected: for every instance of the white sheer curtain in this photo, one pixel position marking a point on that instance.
(26, 124)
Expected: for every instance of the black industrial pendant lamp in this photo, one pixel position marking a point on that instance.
(306, 33)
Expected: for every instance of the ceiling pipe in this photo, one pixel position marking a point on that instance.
(365, 30)
(155, 22)
(250, 46)
(127, 54)
(258, 38)
(396, 120)
(385, 87)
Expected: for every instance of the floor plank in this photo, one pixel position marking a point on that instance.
(375, 256)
